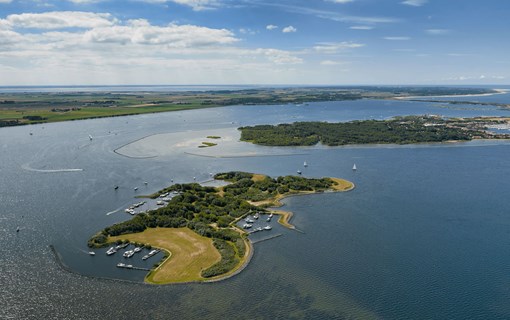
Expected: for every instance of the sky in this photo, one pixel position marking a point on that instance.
(280, 42)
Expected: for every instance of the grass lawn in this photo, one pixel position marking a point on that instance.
(190, 253)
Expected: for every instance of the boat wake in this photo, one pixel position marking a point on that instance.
(116, 210)
(28, 168)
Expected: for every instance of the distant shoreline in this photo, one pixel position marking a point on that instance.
(498, 91)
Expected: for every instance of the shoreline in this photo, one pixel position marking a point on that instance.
(498, 91)
(188, 253)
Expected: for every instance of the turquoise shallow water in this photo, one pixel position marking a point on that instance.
(425, 235)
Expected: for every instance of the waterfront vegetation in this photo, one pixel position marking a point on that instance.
(211, 213)
(206, 144)
(29, 108)
(399, 130)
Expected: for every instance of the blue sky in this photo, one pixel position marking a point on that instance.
(327, 42)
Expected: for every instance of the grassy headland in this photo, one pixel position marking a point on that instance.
(201, 219)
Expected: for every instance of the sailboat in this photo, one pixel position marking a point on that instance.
(354, 167)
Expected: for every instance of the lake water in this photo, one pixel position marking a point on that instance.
(425, 234)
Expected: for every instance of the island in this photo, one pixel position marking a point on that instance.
(399, 130)
(40, 107)
(198, 228)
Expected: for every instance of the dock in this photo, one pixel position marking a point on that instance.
(128, 266)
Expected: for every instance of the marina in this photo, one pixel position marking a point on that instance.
(382, 231)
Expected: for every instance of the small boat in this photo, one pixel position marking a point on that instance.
(17, 229)
(160, 203)
(354, 167)
(111, 251)
(247, 226)
(299, 172)
(145, 182)
(90, 137)
(120, 265)
(305, 164)
(31, 133)
(248, 220)
(116, 187)
(268, 219)
(256, 216)
(136, 188)
(129, 266)
(268, 228)
(137, 249)
(271, 215)
(92, 253)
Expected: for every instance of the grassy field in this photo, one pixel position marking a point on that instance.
(27, 108)
(190, 253)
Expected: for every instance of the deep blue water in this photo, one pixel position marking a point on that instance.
(425, 234)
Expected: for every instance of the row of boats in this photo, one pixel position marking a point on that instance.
(129, 253)
(250, 221)
(131, 209)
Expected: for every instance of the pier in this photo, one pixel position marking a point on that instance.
(128, 266)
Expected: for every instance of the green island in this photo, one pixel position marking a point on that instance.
(29, 108)
(206, 144)
(399, 130)
(213, 137)
(197, 228)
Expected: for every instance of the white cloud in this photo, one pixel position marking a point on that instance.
(5, 1)
(331, 63)
(289, 29)
(397, 38)
(280, 56)
(197, 5)
(271, 27)
(334, 47)
(476, 77)
(437, 31)
(415, 3)
(84, 1)
(340, 1)
(58, 20)
(247, 31)
(361, 27)
(178, 36)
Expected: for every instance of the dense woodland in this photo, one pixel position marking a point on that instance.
(400, 130)
(210, 212)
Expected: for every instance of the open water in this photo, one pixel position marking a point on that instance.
(425, 234)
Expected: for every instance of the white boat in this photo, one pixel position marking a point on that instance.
(120, 265)
(90, 137)
(137, 249)
(136, 188)
(299, 172)
(268, 219)
(92, 253)
(268, 228)
(305, 164)
(128, 254)
(160, 203)
(247, 226)
(111, 251)
(354, 167)
(256, 216)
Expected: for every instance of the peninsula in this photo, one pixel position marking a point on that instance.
(197, 228)
(399, 130)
